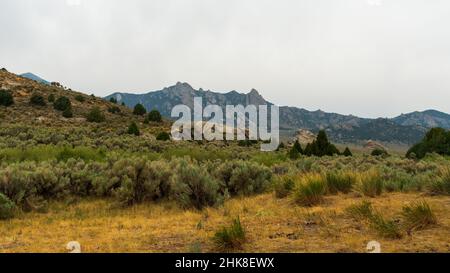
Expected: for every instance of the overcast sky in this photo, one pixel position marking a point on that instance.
(371, 58)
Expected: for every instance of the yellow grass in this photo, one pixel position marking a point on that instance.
(272, 225)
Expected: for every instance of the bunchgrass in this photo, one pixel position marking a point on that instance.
(230, 238)
(340, 181)
(371, 183)
(310, 190)
(385, 228)
(441, 186)
(418, 216)
(361, 211)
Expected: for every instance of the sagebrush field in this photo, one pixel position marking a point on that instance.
(91, 171)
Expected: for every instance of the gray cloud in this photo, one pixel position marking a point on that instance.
(365, 57)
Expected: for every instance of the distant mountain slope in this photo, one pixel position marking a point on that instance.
(427, 119)
(405, 129)
(33, 77)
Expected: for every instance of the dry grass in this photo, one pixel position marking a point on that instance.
(272, 225)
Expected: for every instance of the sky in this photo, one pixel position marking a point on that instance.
(370, 58)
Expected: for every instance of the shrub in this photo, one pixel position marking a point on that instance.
(6, 98)
(371, 184)
(51, 98)
(243, 178)
(67, 113)
(138, 180)
(113, 100)
(62, 103)
(284, 185)
(154, 116)
(232, 237)
(361, 211)
(192, 186)
(310, 190)
(139, 110)
(114, 110)
(133, 129)
(80, 98)
(95, 115)
(418, 216)
(163, 136)
(379, 152)
(6, 208)
(37, 100)
(339, 181)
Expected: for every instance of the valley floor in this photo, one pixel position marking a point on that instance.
(272, 225)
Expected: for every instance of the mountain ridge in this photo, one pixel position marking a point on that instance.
(405, 129)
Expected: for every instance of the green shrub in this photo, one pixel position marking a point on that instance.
(192, 186)
(138, 180)
(154, 116)
(371, 184)
(230, 238)
(243, 177)
(133, 129)
(379, 152)
(113, 100)
(37, 100)
(339, 181)
(67, 113)
(95, 115)
(139, 110)
(51, 98)
(80, 98)
(311, 190)
(418, 216)
(62, 103)
(284, 185)
(163, 136)
(114, 110)
(6, 208)
(6, 98)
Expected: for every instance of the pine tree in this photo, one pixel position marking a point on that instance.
(133, 129)
(154, 116)
(6, 98)
(347, 152)
(139, 110)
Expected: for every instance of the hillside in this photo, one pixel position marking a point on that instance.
(23, 112)
(404, 130)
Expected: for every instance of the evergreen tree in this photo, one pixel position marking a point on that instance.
(37, 100)
(67, 113)
(154, 116)
(51, 98)
(296, 150)
(62, 103)
(113, 100)
(133, 129)
(6, 98)
(95, 115)
(139, 110)
(347, 152)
